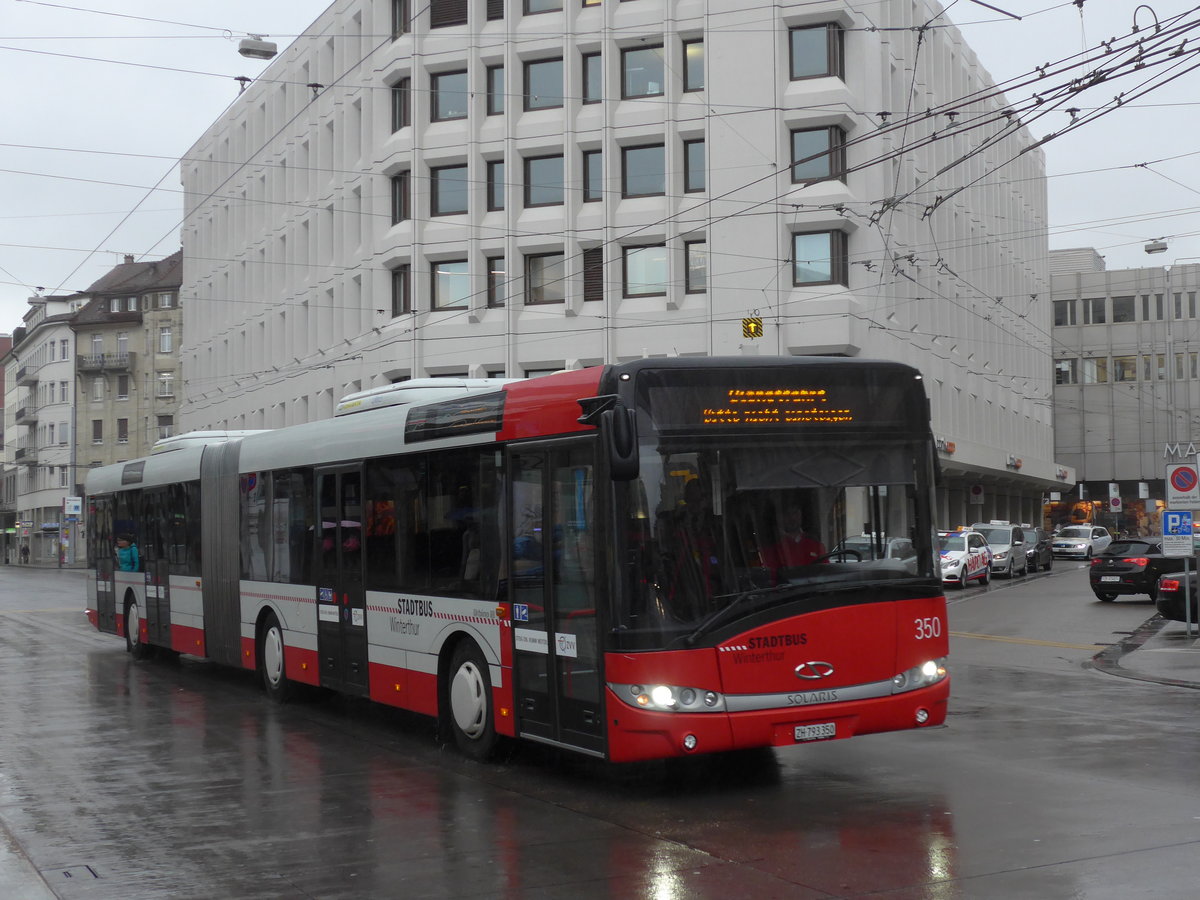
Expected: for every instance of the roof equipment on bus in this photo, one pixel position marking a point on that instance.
(199, 438)
(416, 390)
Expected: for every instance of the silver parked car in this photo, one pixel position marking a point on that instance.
(1081, 541)
(1008, 547)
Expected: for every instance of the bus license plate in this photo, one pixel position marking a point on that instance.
(1110, 577)
(816, 732)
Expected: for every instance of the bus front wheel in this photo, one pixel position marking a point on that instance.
(271, 660)
(469, 694)
(137, 648)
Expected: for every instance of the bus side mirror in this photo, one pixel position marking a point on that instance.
(619, 435)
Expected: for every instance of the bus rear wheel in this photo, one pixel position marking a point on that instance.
(469, 697)
(137, 648)
(271, 663)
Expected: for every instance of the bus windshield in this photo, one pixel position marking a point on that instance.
(753, 523)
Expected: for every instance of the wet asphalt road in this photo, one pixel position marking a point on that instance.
(1052, 780)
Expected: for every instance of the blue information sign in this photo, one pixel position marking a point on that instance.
(1177, 532)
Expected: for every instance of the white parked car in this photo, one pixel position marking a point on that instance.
(1080, 541)
(965, 556)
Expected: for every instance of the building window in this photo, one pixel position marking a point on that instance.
(545, 278)
(593, 273)
(593, 176)
(593, 77)
(495, 10)
(449, 190)
(451, 284)
(166, 426)
(115, 305)
(449, 96)
(1124, 368)
(541, 6)
(693, 66)
(693, 166)
(819, 258)
(63, 479)
(1094, 371)
(544, 84)
(816, 51)
(165, 341)
(97, 431)
(166, 384)
(818, 154)
(122, 387)
(63, 388)
(122, 431)
(1064, 312)
(1123, 310)
(97, 345)
(643, 171)
(401, 187)
(495, 90)
(50, 435)
(62, 433)
(495, 184)
(122, 343)
(695, 261)
(401, 290)
(645, 272)
(1065, 371)
(543, 180)
(65, 347)
(1093, 311)
(642, 72)
(444, 13)
(401, 100)
(98, 388)
(400, 18)
(496, 281)
(166, 300)
(1151, 312)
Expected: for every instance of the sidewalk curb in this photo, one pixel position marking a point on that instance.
(1108, 660)
(19, 878)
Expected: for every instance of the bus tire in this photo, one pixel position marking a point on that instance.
(133, 631)
(469, 702)
(271, 661)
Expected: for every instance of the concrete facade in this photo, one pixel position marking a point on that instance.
(485, 191)
(1127, 387)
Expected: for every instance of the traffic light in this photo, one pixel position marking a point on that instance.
(752, 327)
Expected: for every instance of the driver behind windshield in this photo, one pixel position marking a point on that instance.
(796, 548)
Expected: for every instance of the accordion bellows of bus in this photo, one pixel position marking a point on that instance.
(652, 559)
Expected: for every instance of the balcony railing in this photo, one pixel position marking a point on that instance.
(26, 415)
(25, 456)
(105, 362)
(27, 376)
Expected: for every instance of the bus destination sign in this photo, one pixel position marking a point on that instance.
(777, 406)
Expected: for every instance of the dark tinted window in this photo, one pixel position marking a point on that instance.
(1132, 548)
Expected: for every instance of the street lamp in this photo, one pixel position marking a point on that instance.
(1160, 246)
(254, 47)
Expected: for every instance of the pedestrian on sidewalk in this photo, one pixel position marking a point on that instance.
(24, 554)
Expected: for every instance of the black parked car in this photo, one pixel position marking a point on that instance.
(1038, 551)
(1170, 596)
(1131, 566)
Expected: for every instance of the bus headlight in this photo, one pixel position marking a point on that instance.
(669, 697)
(929, 672)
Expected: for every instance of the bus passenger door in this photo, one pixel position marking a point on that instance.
(341, 599)
(558, 676)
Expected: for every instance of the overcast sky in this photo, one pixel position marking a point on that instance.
(99, 107)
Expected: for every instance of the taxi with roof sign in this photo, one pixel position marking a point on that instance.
(965, 556)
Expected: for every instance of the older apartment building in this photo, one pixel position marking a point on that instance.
(90, 378)
(510, 188)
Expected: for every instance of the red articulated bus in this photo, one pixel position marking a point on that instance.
(634, 561)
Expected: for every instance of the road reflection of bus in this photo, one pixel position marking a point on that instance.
(631, 562)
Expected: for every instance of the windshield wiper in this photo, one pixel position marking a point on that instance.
(738, 600)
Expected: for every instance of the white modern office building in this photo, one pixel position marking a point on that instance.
(1127, 383)
(510, 187)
